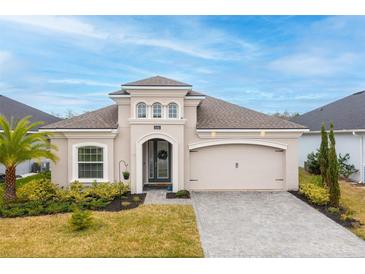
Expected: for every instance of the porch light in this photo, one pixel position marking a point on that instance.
(262, 133)
(213, 134)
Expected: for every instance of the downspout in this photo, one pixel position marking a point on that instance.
(361, 156)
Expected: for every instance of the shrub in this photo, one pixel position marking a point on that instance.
(40, 196)
(312, 188)
(37, 190)
(107, 191)
(332, 172)
(312, 163)
(80, 219)
(344, 168)
(183, 194)
(333, 210)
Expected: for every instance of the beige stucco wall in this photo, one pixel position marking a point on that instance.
(123, 143)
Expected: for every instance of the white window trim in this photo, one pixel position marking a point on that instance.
(161, 110)
(75, 163)
(177, 111)
(136, 110)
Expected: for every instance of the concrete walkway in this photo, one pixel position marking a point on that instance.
(158, 196)
(269, 224)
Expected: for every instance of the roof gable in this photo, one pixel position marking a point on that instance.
(11, 108)
(157, 81)
(347, 114)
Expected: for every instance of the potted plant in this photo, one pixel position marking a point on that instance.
(125, 175)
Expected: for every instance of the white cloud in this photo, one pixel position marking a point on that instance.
(68, 25)
(82, 82)
(202, 42)
(5, 60)
(312, 64)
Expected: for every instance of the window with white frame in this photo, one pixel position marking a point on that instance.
(173, 110)
(156, 110)
(141, 110)
(90, 161)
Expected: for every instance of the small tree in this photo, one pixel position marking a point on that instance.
(17, 146)
(323, 155)
(332, 172)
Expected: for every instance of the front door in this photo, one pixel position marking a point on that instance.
(159, 159)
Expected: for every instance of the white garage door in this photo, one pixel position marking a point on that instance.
(237, 167)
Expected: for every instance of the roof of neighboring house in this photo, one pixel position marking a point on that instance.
(11, 108)
(214, 113)
(346, 113)
(157, 81)
(104, 118)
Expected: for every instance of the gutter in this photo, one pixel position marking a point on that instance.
(255, 130)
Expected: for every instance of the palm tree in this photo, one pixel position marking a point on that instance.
(17, 146)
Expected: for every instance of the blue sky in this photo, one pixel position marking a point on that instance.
(265, 63)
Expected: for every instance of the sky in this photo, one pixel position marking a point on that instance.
(267, 63)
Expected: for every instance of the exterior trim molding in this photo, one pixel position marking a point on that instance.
(254, 130)
(338, 131)
(75, 167)
(119, 96)
(139, 159)
(238, 141)
(191, 97)
(156, 87)
(112, 130)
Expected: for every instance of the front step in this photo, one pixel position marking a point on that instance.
(156, 186)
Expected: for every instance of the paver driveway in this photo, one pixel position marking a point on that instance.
(269, 224)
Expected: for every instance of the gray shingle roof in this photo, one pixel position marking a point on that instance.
(11, 108)
(104, 118)
(214, 113)
(157, 81)
(346, 113)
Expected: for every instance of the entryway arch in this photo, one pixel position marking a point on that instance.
(174, 159)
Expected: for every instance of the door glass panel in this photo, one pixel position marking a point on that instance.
(151, 160)
(162, 160)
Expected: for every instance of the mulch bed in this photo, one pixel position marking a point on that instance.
(172, 195)
(127, 201)
(335, 216)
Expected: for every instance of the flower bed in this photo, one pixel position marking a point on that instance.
(40, 196)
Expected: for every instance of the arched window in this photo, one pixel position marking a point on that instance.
(90, 161)
(156, 110)
(173, 110)
(141, 110)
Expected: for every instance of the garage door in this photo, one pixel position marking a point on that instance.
(237, 167)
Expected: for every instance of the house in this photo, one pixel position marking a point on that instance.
(11, 108)
(348, 116)
(169, 134)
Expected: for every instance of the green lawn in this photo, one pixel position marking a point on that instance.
(147, 231)
(353, 198)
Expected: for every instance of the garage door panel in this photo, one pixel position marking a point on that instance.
(235, 167)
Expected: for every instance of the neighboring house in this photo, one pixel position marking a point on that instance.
(169, 134)
(348, 115)
(11, 108)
